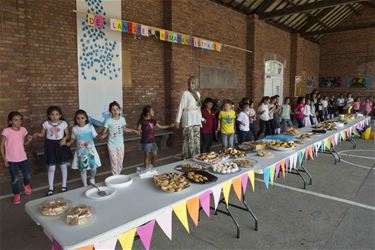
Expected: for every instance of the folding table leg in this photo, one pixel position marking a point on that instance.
(228, 213)
(352, 141)
(308, 174)
(338, 156)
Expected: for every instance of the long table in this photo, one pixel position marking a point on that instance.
(141, 202)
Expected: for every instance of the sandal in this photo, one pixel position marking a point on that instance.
(50, 192)
(64, 189)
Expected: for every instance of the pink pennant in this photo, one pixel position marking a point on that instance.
(244, 179)
(145, 233)
(277, 169)
(106, 244)
(165, 222)
(56, 246)
(205, 202)
(306, 153)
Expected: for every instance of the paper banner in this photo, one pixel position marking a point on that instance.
(127, 239)
(124, 26)
(162, 35)
(180, 211)
(164, 220)
(216, 192)
(306, 154)
(266, 176)
(138, 29)
(131, 27)
(282, 164)
(237, 187)
(56, 246)
(90, 19)
(311, 153)
(119, 25)
(277, 169)
(90, 247)
(205, 202)
(145, 234)
(336, 138)
(291, 163)
(193, 209)
(244, 180)
(272, 173)
(300, 157)
(287, 165)
(332, 141)
(144, 30)
(341, 135)
(226, 190)
(295, 159)
(252, 179)
(106, 244)
(113, 23)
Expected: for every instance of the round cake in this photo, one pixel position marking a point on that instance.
(79, 215)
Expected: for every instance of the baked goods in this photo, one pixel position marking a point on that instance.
(79, 215)
(190, 167)
(292, 131)
(280, 144)
(171, 182)
(326, 125)
(54, 207)
(225, 168)
(234, 153)
(304, 137)
(196, 177)
(264, 154)
(211, 157)
(243, 163)
(253, 146)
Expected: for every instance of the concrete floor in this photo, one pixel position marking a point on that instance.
(336, 212)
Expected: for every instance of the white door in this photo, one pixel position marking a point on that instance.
(273, 85)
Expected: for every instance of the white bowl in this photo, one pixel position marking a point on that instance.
(118, 181)
(92, 193)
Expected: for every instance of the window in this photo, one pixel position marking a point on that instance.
(273, 68)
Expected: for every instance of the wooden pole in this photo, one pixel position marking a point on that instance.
(159, 29)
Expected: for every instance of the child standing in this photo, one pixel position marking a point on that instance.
(299, 112)
(115, 127)
(325, 107)
(264, 118)
(243, 120)
(147, 126)
(14, 155)
(253, 128)
(332, 107)
(340, 104)
(208, 126)
(357, 105)
(227, 118)
(85, 157)
(368, 106)
(307, 113)
(285, 115)
(56, 131)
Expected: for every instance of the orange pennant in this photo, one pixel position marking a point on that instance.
(282, 165)
(85, 248)
(193, 208)
(237, 187)
(311, 153)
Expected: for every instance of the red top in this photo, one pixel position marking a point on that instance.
(208, 126)
(299, 109)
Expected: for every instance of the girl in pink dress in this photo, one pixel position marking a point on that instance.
(368, 106)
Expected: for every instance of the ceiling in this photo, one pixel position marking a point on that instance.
(311, 18)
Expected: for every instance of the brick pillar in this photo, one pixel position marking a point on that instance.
(250, 57)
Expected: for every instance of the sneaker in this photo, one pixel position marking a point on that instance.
(28, 189)
(16, 199)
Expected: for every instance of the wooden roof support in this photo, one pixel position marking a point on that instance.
(340, 29)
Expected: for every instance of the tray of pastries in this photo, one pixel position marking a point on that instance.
(209, 158)
(281, 146)
(78, 215)
(225, 168)
(327, 125)
(264, 154)
(234, 153)
(200, 177)
(171, 182)
(292, 131)
(245, 163)
(252, 146)
(190, 167)
(54, 207)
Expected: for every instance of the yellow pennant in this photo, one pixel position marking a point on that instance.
(272, 173)
(252, 179)
(90, 19)
(127, 239)
(226, 190)
(180, 211)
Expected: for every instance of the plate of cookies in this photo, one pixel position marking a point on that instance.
(190, 167)
(264, 154)
(210, 158)
(281, 146)
(225, 168)
(234, 153)
(200, 177)
(171, 182)
(245, 163)
(54, 207)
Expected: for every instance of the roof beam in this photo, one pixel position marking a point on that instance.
(340, 29)
(311, 22)
(262, 7)
(306, 7)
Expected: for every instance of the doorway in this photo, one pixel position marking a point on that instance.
(273, 79)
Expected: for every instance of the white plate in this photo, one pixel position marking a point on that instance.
(93, 193)
(282, 149)
(118, 181)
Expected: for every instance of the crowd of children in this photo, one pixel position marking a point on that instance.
(234, 126)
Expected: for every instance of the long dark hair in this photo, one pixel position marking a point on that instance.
(11, 115)
(54, 108)
(146, 109)
(207, 100)
(80, 112)
(300, 100)
(265, 98)
(112, 104)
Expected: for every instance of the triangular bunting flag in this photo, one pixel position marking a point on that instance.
(106, 244)
(287, 165)
(277, 169)
(252, 179)
(145, 233)
(332, 141)
(164, 220)
(193, 209)
(226, 191)
(266, 176)
(244, 179)
(90, 247)
(295, 161)
(272, 173)
(216, 192)
(180, 211)
(237, 187)
(300, 157)
(291, 163)
(282, 164)
(127, 239)
(55, 245)
(306, 154)
(311, 153)
(205, 202)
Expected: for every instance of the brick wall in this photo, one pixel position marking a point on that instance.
(38, 60)
(350, 53)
